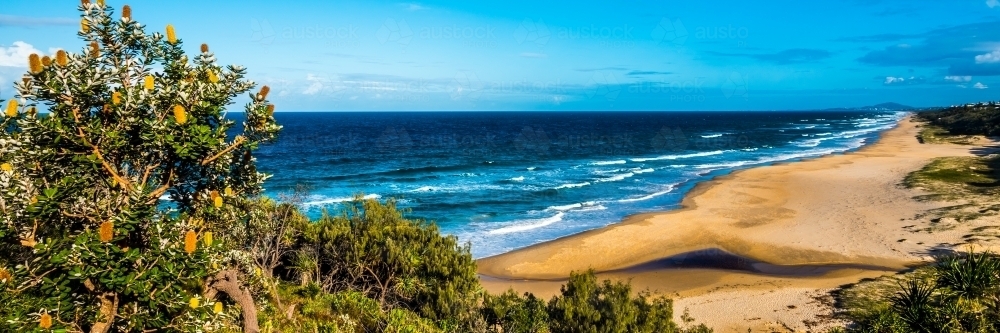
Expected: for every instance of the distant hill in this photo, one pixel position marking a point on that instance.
(879, 107)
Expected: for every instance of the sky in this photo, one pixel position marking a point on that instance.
(574, 55)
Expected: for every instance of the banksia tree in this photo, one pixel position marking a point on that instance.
(99, 196)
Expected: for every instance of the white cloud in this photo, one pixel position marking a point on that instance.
(988, 58)
(413, 7)
(992, 3)
(16, 55)
(980, 85)
(892, 80)
(958, 78)
(315, 86)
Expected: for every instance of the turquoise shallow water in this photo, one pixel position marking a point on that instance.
(506, 180)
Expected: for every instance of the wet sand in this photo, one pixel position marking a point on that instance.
(758, 248)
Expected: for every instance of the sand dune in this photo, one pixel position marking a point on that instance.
(760, 247)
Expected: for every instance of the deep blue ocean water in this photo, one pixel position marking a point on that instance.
(506, 180)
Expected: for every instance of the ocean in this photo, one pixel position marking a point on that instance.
(507, 180)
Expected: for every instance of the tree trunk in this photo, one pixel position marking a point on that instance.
(108, 310)
(228, 282)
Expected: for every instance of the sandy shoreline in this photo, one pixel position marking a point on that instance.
(758, 248)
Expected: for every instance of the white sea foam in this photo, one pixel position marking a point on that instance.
(572, 185)
(592, 208)
(723, 165)
(517, 179)
(525, 225)
(532, 168)
(575, 206)
(608, 162)
(674, 157)
(615, 178)
(427, 189)
(713, 135)
(809, 143)
(328, 201)
(649, 196)
(639, 170)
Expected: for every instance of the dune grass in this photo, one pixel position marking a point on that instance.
(949, 178)
(933, 134)
(972, 182)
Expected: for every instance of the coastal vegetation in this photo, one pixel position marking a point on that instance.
(968, 120)
(971, 182)
(130, 203)
(959, 292)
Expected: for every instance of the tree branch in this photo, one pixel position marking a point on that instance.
(228, 282)
(236, 143)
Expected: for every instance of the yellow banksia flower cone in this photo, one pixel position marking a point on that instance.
(4, 275)
(107, 231)
(127, 12)
(228, 191)
(46, 61)
(207, 238)
(263, 92)
(190, 242)
(171, 35)
(148, 82)
(116, 98)
(217, 308)
(216, 199)
(204, 48)
(194, 303)
(180, 115)
(45, 322)
(212, 77)
(6, 167)
(34, 64)
(95, 50)
(11, 109)
(85, 25)
(270, 110)
(61, 58)
(100, 2)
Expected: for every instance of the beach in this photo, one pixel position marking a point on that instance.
(759, 248)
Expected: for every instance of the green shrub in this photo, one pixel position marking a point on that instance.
(400, 263)
(583, 306)
(959, 293)
(977, 119)
(588, 306)
(510, 313)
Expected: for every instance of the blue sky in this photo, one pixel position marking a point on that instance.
(579, 55)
